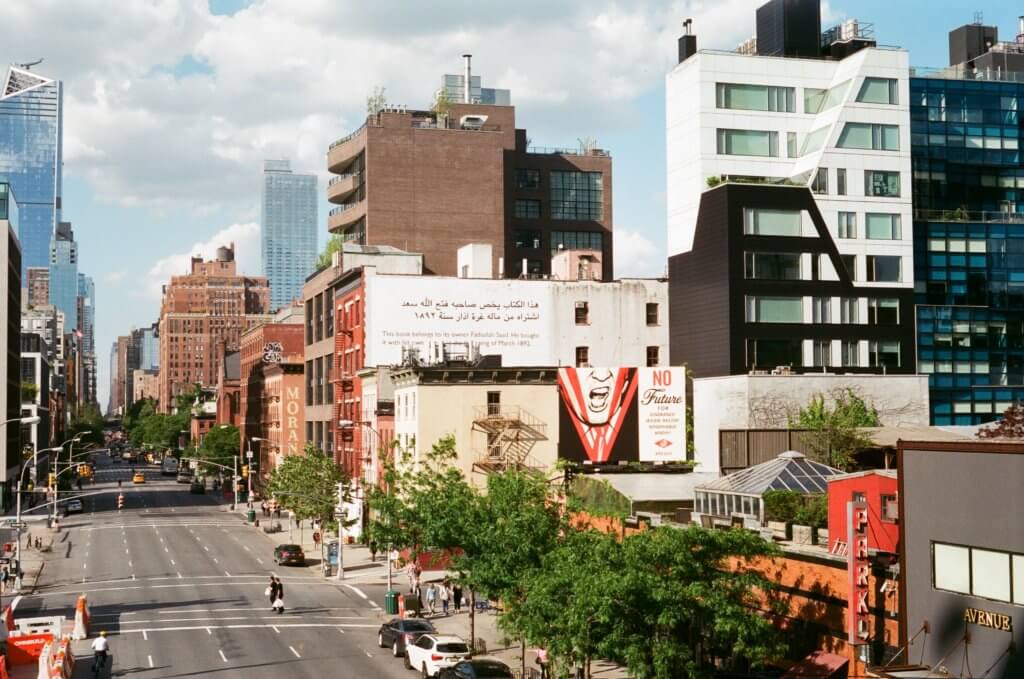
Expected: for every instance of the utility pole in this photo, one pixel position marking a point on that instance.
(339, 513)
(234, 482)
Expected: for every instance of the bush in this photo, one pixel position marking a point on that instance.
(790, 506)
(814, 512)
(714, 181)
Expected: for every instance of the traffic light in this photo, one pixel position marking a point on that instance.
(53, 480)
(120, 501)
(245, 471)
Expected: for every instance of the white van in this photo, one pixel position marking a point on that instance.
(169, 467)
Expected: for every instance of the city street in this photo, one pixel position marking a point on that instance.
(177, 582)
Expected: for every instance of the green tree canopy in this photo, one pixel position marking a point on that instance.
(220, 445)
(834, 433)
(334, 244)
(307, 485)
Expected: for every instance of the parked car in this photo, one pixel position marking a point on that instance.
(434, 652)
(139, 478)
(399, 633)
(184, 475)
(73, 507)
(197, 488)
(289, 555)
(478, 668)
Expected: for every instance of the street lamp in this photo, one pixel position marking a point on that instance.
(17, 520)
(248, 455)
(56, 460)
(348, 424)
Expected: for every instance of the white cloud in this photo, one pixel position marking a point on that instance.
(246, 239)
(636, 255)
(283, 79)
(114, 277)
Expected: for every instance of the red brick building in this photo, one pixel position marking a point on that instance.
(349, 357)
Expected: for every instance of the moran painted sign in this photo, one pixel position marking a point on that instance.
(293, 416)
(998, 621)
(858, 572)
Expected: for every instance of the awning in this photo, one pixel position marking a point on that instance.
(820, 665)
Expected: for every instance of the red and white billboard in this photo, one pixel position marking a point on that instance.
(612, 415)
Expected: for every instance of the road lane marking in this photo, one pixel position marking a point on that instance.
(275, 629)
(222, 657)
(368, 654)
(259, 560)
(215, 560)
(145, 636)
(227, 574)
(206, 548)
(358, 591)
(172, 562)
(292, 649)
(209, 631)
(341, 630)
(179, 575)
(298, 625)
(150, 658)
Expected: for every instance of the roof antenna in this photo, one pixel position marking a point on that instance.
(978, 18)
(28, 65)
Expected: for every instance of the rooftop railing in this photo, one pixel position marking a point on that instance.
(960, 215)
(556, 151)
(960, 72)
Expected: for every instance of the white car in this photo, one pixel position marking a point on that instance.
(73, 507)
(433, 652)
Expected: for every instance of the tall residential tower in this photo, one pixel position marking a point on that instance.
(288, 230)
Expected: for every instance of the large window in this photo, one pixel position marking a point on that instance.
(576, 240)
(748, 143)
(884, 268)
(817, 100)
(849, 310)
(815, 140)
(776, 266)
(850, 264)
(882, 226)
(756, 97)
(881, 184)
(577, 195)
(527, 240)
(884, 311)
(850, 353)
(847, 224)
(758, 222)
(884, 354)
(769, 353)
(870, 136)
(820, 183)
(987, 573)
(527, 209)
(775, 309)
(879, 91)
(527, 179)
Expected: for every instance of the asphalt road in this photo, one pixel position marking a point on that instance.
(177, 581)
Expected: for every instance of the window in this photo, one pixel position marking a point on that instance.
(527, 240)
(850, 264)
(878, 91)
(841, 181)
(850, 353)
(755, 97)
(821, 309)
(494, 403)
(652, 313)
(758, 222)
(890, 508)
(576, 240)
(884, 354)
(884, 311)
(748, 143)
(582, 357)
(527, 179)
(847, 224)
(582, 313)
(775, 310)
(990, 574)
(822, 353)
(775, 266)
(817, 100)
(791, 147)
(820, 183)
(881, 184)
(527, 209)
(870, 136)
(951, 568)
(652, 357)
(884, 268)
(769, 353)
(882, 226)
(815, 140)
(849, 310)
(577, 195)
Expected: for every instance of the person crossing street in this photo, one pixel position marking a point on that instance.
(100, 651)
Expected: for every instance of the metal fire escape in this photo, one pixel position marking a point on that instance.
(511, 433)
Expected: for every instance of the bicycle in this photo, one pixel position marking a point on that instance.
(99, 662)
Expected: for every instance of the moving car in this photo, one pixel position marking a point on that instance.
(73, 507)
(169, 467)
(399, 634)
(197, 488)
(139, 478)
(434, 652)
(184, 475)
(478, 668)
(289, 555)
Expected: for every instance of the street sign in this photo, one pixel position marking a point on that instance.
(14, 523)
(248, 454)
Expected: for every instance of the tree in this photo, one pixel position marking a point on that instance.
(220, 445)
(1011, 426)
(88, 423)
(834, 434)
(307, 485)
(334, 244)
(29, 391)
(376, 101)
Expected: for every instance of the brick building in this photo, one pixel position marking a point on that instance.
(432, 181)
(38, 285)
(211, 303)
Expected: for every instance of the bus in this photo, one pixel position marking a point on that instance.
(169, 467)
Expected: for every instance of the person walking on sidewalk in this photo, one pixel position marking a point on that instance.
(445, 595)
(457, 597)
(271, 591)
(279, 601)
(431, 598)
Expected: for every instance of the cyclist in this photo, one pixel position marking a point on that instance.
(100, 649)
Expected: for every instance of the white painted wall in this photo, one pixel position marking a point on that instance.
(474, 261)
(766, 401)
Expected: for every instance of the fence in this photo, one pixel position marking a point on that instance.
(742, 448)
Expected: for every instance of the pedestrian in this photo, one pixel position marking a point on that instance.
(431, 598)
(263, 508)
(373, 551)
(316, 539)
(445, 597)
(279, 601)
(457, 598)
(4, 576)
(411, 573)
(271, 591)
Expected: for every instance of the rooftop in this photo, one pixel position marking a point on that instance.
(789, 471)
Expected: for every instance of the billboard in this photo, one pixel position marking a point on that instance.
(429, 315)
(612, 415)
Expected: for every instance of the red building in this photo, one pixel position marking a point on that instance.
(876, 487)
(349, 337)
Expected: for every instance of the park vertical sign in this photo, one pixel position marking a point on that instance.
(858, 570)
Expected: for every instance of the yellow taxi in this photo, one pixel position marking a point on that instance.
(139, 478)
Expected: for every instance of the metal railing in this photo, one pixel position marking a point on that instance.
(343, 177)
(960, 215)
(961, 72)
(556, 151)
(353, 135)
(511, 414)
(342, 208)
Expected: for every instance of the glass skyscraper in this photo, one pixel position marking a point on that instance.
(87, 317)
(969, 243)
(31, 133)
(64, 274)
(288, 230)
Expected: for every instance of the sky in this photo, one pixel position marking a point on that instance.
(172, 105)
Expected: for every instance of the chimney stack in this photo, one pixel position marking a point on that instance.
(687, 42)
(1020, 29)
(467, 97)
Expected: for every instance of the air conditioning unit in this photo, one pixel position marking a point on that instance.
(892, 511)
(581, 305)
(347, 386)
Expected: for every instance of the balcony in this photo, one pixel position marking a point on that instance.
(343, 151)
(343, 186)
(344, 216)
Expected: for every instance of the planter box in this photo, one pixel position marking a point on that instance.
(779, 529)
(823, 536)
(803, 535)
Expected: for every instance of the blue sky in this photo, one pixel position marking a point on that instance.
(170, 107)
